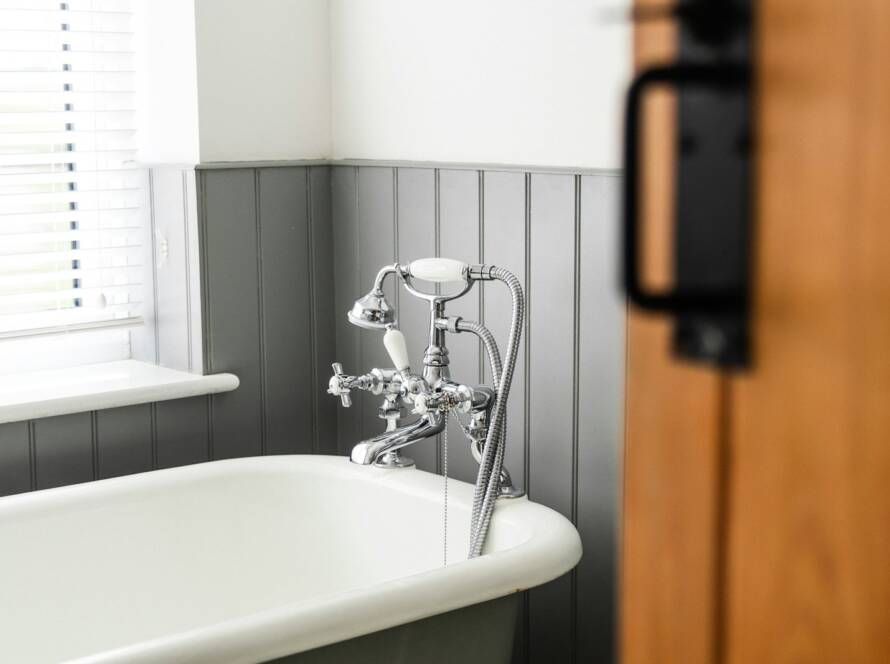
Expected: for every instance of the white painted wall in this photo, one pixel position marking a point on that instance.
(493, 81)
(537, 82)
(263, 79)
(167, 83)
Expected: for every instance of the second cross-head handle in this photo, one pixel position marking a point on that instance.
(339, 385)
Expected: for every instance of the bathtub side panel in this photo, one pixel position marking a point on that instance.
(124, 440)
(478, 634)
(64, 450)
(15, 458)
(182, 431)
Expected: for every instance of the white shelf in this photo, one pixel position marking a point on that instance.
(27, 396)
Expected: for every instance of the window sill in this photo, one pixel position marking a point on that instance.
(28, 396)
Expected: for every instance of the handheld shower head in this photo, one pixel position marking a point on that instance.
(372, 312)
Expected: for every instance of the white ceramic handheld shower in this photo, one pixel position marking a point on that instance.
(438, 270)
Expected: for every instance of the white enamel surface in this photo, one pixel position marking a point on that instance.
(250, 559)
(27, 396)
(439, 270)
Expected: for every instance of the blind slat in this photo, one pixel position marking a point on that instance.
(106, 311)
(100, 139)
(25, 41)
(73, 5)
(98, 160)
(56, 59)
(53, 20)
(84, 179)
(10, 262)
(91, 277)
(29, 300)
(14, 200)
(55, 81)
(72, 316)
(52, 103)
(59, 202)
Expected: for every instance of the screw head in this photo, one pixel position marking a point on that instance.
(712, 340)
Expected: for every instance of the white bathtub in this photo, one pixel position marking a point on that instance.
(251, 559)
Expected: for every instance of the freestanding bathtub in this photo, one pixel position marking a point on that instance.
(306, 558)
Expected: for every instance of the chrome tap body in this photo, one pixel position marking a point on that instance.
(432, 394)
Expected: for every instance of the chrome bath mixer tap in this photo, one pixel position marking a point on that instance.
(433, 394)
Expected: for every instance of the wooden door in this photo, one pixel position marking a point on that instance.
(757, 505)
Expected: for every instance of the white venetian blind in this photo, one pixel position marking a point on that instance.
(72, 201)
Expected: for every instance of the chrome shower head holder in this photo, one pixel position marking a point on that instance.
(373, 311)
(439, 271)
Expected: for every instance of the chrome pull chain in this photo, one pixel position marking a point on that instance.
(445, 501)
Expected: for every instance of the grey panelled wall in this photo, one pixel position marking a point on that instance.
(284, 252)
(56, 451)
(267, 296)
(557, 233)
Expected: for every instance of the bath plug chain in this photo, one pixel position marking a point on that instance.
(445, 501)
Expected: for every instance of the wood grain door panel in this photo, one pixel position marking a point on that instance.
(809, 518)
(671, 461)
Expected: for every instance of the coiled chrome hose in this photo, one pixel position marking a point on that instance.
(489, 477)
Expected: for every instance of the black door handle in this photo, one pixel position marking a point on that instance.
(680, 76)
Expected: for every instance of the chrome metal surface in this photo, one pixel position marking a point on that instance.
(408, 282)
(394, 459)
(433, 395)
(339, 385)
(376, 381)
(372, 312)
(371, 450)
(480, 272)
(507, 489)
(476, 431)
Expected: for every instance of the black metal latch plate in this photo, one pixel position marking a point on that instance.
(712, 81)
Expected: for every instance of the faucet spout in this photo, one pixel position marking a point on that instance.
(371, 450)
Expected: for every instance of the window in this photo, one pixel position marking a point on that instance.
(72, 200)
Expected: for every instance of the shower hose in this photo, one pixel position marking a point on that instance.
(492, 458)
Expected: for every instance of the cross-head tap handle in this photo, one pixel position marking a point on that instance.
(338, 385)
